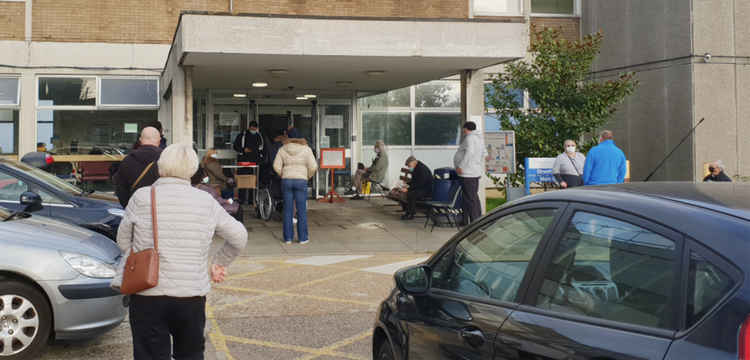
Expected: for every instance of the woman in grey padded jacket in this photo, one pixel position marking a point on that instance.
(568, 167)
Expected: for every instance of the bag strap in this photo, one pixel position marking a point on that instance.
(143, 173)
(153, 218)
(574, 165)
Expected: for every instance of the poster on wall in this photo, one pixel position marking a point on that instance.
(325, 141)
(229, 119)
(501, 152)
(131, 128)
(333, 122)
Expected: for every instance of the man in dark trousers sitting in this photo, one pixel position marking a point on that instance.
(249, 148)
(419, 188)
(138, 169)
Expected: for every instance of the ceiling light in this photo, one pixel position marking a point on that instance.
(343, 83)
(260, 84)
(240, 95)
(374, 73)
(278, 72)
(311, 96)
(301, 98)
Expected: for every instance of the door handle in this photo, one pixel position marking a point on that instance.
(473, 336)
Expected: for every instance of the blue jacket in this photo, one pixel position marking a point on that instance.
(605, 164)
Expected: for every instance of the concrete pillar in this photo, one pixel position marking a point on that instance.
(188, 126)
(27, 114)
(472, 109)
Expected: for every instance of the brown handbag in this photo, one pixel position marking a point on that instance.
(141, 270)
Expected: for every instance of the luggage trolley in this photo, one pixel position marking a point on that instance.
(248, 182)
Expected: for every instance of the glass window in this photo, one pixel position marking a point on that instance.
(11, 187)
(438, 95)
(496, 7)
(394, 98)
(564, 7)
(492, 123)
(8, 131)
(437, 128)
(130, 92)
(613, 270)
(67, 91)
(707, 284)
(91, 132)
(392, 128)
(491, 262)
(46, 177)
(199, 119)
(9, 91)
(489, 93)
(228, 120)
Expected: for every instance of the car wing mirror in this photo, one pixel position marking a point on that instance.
(414, 280)
(31, 201)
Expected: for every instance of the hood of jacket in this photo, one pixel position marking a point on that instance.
(295, 146)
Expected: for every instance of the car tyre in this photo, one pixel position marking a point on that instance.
(385, 352)
(25, 320)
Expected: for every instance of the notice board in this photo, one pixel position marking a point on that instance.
(333, 158)
(501, 152)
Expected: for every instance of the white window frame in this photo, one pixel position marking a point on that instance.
(576, 11)
(18, 90)
(99, 105)
(518, 6)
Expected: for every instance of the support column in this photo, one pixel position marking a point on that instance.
(472, 109)
(27, 114)
(188, 126)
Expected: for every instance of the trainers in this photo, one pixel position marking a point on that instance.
(294, 220)
(287, 242)
(303, 242)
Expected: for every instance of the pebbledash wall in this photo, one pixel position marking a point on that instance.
(82, 70)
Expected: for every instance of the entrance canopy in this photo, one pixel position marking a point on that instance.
(334, 57)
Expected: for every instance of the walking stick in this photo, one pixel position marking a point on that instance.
(673, 150)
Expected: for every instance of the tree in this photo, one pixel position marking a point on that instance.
(569, 104)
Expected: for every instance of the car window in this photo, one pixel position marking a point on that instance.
(613, 270)
(491, 261)
(48, 198)
(11, 187)
(707, 284)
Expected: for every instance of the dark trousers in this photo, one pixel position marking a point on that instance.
(470, 205)
(411, 200)
(154, 318)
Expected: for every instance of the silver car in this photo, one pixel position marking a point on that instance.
(54, 282)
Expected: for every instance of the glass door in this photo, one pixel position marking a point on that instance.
(336, 132)
(229, 118)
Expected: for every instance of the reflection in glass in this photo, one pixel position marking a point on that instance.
(130, 92)
(437, 128)
(393, 98)
(67, 91)
(565, 7)
(438, 94)
(228, 120)
(392, 128)
(8, 131)
(8, 91)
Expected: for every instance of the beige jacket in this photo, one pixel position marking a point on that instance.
(187, 219)
(295, 160)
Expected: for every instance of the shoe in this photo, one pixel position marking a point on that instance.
(294, 220)
(287, 242)
(350, 192)
(357, 197)
(303, 242)
(407, 216)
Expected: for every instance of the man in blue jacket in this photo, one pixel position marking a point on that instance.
(605, 163)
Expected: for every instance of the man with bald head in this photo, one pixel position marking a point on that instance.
(138, 169)
(605, 163)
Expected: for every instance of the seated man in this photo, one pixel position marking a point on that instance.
(375, 173)
(419, 188)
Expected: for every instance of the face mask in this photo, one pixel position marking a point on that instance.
(254, 132)
(411, 169)
(206, 180)
(377, 151)
(214, 156)
(571, 149)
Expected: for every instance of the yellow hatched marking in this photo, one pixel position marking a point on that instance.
(217, 337)
(288, 294)
(297, 348)
(258, 272)
(339, 344)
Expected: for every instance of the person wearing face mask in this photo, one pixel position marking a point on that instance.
(249, 148)
(420, 186)
(202, 181)
(375, 173)
(568, 167)
(716, 172)
(212, 167)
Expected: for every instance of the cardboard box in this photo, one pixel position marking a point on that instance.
(245, 181)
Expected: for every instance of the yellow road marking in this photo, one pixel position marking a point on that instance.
(258, 272)
(297, 348)
(339, 344)
(288, 294)
(217, 337)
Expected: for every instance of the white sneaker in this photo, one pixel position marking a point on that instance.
(294, 221)
(304, 242)
(287, 242)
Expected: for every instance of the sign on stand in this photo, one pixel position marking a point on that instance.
(538, 170)
(501, 152)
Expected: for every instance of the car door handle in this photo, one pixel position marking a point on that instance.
(473, 336)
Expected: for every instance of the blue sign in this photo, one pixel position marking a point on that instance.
(538, 170)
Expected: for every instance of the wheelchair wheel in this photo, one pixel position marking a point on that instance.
(265, 204)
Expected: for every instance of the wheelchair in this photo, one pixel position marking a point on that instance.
(269, 199)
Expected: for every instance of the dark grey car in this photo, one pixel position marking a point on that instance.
(54, 283)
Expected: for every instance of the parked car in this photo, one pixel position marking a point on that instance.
(62, 200)
(54, 282)
(634, 271)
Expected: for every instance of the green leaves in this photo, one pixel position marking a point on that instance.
(557, 79)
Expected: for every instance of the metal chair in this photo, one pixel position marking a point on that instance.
(449, 209)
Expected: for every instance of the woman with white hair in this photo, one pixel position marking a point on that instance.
(716, 172)
(186, 222)
(375, 173)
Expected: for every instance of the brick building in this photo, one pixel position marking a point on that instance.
(83, 77)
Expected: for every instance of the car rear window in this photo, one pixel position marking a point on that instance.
(707, 285)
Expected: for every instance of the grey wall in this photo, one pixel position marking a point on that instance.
(651, 38)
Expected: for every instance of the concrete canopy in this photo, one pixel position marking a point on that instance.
(334, 57)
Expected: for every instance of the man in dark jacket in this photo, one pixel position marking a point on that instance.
(138, 169)
(249, 148)
(716, 172)
(420, 186)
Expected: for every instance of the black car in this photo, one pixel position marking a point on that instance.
(61, 200)
(634, 271)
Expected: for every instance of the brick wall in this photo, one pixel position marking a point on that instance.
(154, 21)
(12, 20)
(570, 27)
(368, 8)
(117, 21)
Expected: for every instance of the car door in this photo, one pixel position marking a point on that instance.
(476, 283)
(607, 288)
(11, 188)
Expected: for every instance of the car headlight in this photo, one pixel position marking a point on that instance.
(88, 266)
(116, 212)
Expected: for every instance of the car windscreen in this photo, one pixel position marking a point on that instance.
(45, 177)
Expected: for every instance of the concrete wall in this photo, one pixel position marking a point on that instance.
(12, 20)
(650, 37)
(371, 8)
(570, 27)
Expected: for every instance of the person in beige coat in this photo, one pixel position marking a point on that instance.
(296, 165)
(187, 220)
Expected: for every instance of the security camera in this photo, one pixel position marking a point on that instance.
(707, 57)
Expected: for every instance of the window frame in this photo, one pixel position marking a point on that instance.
(519, 6)
(449, 249)
(734, 272)
(98, 105)
(19, 83)
(529, 301)
(576, 11)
